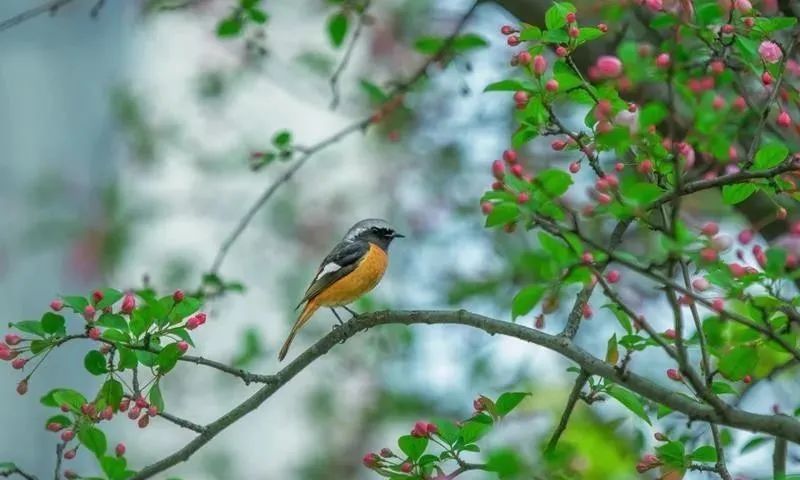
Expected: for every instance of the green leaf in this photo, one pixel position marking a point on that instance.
(555, 248)
(473, 430)
(412, 446)
(556, 16)
(282, 141)
(621, 316)
(111, 393)
(753, 444)
(447, 430)
(509, 401)
(776, 262)
(510, 85)
(722, 388)
(229, 27)
(93, 439)
(95, 363)
(772, 24)
(76, 303)
(505, 462)
(186, 307)
(428, 45)
(141, 320)
(554, 182)
(156, 398)
(526, 300)
(468, 41)
(337, 28)
(62, 420)
(114, 467)
(588, 34)
(110, 297)
(733, 194)
(115, 335)
(502, 213)
(33, 327)
(257, 15)
(375, 93)
(629, 400)
(706, 453)
(770, 155)
(61, 396)
(38, 346)
(530, 33)
(127, 359)
(565, 76)
(672, 453)
(523, 135)
(652, 114)
(110, 320)
(168, 358)
(738, 362)
(53, 323)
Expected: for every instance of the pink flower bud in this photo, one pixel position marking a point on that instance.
(663, 60)
(551, 85)
(19, 363)
(539, 324)
(432, 429)
(613, 276)
(512, 40)
(178, 296)
(517, 170)
(128, 303)
(780, 215)
(766, 78)
(708, 255)
(152, 410)
(420, 430)
(561, 51)
(119, 450)
(97, 295)
(602, 27)
(406, 467)
(587, 311)
(645, 167)
(134, 412)
(487, 207)
(88, 313)
(370, 460)
(674, 375)
(747, 379)
(571, 17)
(701, 284)
(574, 32)
(670, 333)
(507, 30)
(654, 5)
(520, 97)
(718, 305)
(12, 339)
(784, 120)
(386, 453)
(745, 236)
(608, 66)
(498, 169)
(603, 198)
(54, 426)
(94, 333)
(770, 51)
(728, 29)
(717, 67)
(67, 435)
(710, 229)
(619, 166)
(70, 454)
(523, 197)
(743, 6)
(737, 270)
(574, 167)
(510, 156)
(144, 421)
(524, 58)
(539, 65)
(56, 305)
(558, 145)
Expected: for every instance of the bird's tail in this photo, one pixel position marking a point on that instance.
(309, 310)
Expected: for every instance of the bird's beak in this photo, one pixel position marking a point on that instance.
(398, 235)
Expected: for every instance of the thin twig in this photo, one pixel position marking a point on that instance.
(51, 6)
(334, 80)
(59, 457)
(583, 377)
(182, 422)
(775, 425)
(361, 125)
(17, 471)
(776, 88)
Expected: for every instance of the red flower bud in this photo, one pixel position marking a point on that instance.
(144, 421)
(619, 166)
(183, 346)
(551, 85)
(498, 169)
(728, 29)
(710, 229)
(574, 167)
(539, 65)
(708, 255)
(70, 454)
(784, 120)
(603, 199)
(663, 60)
(134, 412)
(517, 170)
(54, 426)
(67, 435)
(718, 305)
(178, 296)
(670, 333)
(512, 40)
(88, 313)
(119, 450)
(587, 311)
(674, 375)
(19, 363)
(737, 270)
(94, 333)
(128, 303)
(507, 30)
(645, 167)
(64, 408)
(766, 78)
(420, 430)
(12, 339)
(587, 258)
(571, 17)
(561, 51)
(524, 58)
(370, 460)
(574, 32)
(56, 305)
(523, 197)
(613, 276)
(510, 156)
(406, 467)
(97, 295)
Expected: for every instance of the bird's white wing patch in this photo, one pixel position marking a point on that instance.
(328, 268)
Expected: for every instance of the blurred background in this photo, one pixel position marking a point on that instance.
(127, 150)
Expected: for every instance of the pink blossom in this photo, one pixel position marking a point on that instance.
(609, 66)
(770, 51)
(654, 5)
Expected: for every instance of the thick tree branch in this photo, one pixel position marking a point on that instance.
(776, 425)
(779, 459)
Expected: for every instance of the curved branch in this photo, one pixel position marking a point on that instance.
(50, 6)
(777, 425)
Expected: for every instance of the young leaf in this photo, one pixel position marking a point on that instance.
(706, 453)
(229, 27)
(110, 320)
(95, 363)
(770, 155)
(167, 358)
(337, 28)
(509, 401)
(733, 194)
(672, 453)
(630, 401)
(526, 300)
(53, 323)
(110, 297)
(93, 439)
(502, 213)
(412, 446)
(33, 327)
(156, 398)
(738, 362)
(111, 393)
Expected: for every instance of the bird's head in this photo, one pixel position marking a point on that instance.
(373, 230)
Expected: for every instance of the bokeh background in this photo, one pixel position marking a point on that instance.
(126, 147)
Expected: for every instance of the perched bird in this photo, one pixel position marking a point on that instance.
(353, 268)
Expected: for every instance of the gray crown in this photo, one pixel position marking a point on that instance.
(365, 225)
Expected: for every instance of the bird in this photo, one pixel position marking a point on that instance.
(351, 269)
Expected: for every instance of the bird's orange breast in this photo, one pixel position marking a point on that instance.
(358, 282)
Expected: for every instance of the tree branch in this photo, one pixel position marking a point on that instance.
(776, 425)
(779, 459)
(15, 470)
(583, 377)
(334, 80)
(51, 6)
(182, 422)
